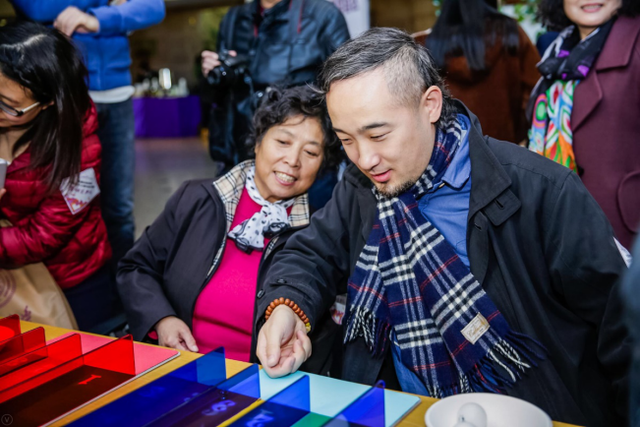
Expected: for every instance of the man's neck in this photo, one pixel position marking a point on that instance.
(268, 4)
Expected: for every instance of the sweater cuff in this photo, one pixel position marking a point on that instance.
(111, 20)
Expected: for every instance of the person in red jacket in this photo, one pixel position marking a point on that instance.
(47, 134)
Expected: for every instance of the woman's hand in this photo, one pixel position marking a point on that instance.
(3, 191)
(283, 344)
(173, 332)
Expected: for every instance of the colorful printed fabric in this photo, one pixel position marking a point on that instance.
(409, 280)
(565, 63)
(550, 133)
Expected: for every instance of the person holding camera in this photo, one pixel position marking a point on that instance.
(262, 44)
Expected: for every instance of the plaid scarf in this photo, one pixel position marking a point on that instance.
(410, 280)
(565, 63)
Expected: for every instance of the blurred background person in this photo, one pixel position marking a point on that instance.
(48, 134)
(191, 277)
(488, 62)
(261, 44)
(100, 29)
(585, 108)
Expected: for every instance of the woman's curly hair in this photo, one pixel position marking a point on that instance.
(278, 105)
(551, 13)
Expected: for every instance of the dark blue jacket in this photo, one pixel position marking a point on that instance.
(106, 52)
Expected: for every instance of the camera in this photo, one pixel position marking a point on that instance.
(230, 72)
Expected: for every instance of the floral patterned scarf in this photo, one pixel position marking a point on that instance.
(565, 63)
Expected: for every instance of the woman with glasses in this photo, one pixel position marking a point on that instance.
(47, 135)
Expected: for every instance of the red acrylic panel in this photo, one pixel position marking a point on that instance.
(57, 354)
(116, 356)
(9, 327)
(64, 388)
(13, 350)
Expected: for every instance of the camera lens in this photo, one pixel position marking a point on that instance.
(217, 76)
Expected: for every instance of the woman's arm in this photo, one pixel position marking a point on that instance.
(129, 16)
(46, 11)
(141, 271)
(43, 234)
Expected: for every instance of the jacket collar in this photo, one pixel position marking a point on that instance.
(490, 181)
(616, 53)
(231, 185)
(277, 12)
(619, 46)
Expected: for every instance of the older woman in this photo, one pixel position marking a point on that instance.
(585, 107)
(191, 278)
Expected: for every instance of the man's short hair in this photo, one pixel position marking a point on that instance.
(408, 66)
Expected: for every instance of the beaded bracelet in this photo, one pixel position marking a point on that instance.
(293, 306)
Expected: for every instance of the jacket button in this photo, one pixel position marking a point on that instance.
(281, 281)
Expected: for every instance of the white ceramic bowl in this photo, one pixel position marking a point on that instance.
(502, 411)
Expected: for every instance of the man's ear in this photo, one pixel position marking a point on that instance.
(431, 103)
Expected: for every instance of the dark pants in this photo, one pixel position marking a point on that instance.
(93, 301)
(116, 133)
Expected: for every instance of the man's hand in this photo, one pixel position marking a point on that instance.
(283, 344)
(211, 60)
(73, 20)
(174, 333)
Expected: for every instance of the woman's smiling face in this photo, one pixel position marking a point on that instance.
(590, 14)
(288, 158)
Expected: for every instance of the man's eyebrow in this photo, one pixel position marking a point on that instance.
(366, 127)
(373, 126)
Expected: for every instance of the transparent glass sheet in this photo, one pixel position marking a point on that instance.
(9, 327)
(217, 404)
(47, 395)
(152, 401)
(13, 352)
(366, 411)
(282, 410)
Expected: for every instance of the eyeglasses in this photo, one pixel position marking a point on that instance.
(16, 112)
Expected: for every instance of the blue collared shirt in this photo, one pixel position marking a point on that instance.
(446, 205)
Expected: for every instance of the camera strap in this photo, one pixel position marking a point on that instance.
(232, 18)
(296, 7)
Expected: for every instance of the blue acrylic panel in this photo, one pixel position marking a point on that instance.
(366, 411)
(217, 404)
(282, 410)
(151, 401)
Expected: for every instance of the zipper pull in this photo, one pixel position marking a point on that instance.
(261, 293)
(211, 269)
